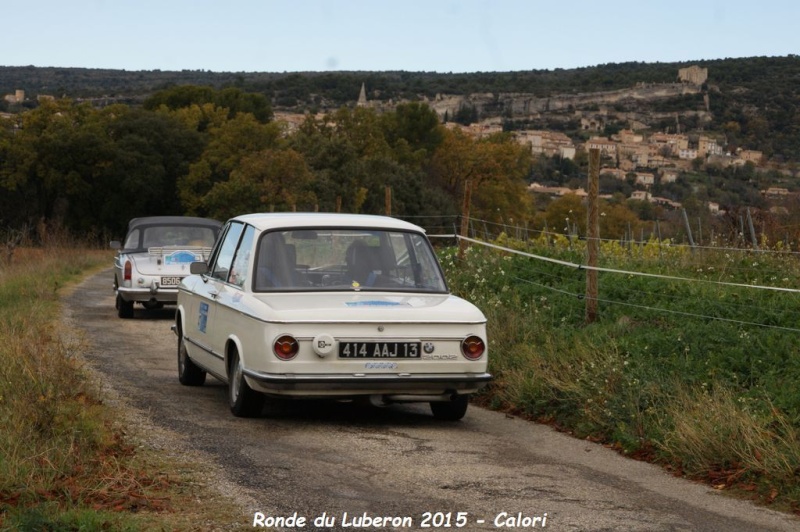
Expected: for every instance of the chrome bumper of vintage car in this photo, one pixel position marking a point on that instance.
(371, 383)
(160, 294)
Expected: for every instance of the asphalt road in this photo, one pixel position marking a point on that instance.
(312, 459)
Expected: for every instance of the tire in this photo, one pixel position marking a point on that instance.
(124, 308)
(243, 400)
(450, 410)
(189, 373)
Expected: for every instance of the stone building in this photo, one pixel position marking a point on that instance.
(693, 74)
(547, 143)
(17, 97)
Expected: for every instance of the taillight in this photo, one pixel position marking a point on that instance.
(285, 347)
(473, 347)
(126, 275)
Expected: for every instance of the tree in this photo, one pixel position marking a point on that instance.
(233, 99)
(466, 115)
(269, 180)
(496, 167)
(348, 152)
(228, 144)
(564, 213)
(179, 96)
(91, 170)
(150, 152)
(617, 219)
(55, 160)
(413, 131)
(198, 117)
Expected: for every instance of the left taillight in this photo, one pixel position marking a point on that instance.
(285, 347)
(473, 347)
(126, 274)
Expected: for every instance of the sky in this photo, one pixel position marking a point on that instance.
(447, 36)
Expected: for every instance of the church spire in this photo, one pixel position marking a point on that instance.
(362, 97)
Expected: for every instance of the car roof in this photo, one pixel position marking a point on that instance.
(172, 220)
(283, 220)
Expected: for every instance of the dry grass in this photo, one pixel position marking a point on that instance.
(714, 433)
(66, 460)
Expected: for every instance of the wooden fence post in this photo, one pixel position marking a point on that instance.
(688, 229)
(752, 229)
(462, 244)
(592, 235)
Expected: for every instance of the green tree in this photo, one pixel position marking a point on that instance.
(150, 153)
(466, 114)
(92, 170)
(233, 99)
(198, 117)
(55, 159)
(269, 180)
(179, 97)
(341, 148)
(564, 213)
(616, 220)
(414, 132)
(228, 144)
(496, 167)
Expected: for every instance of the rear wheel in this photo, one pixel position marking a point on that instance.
(189, 373)
(244, 401)
(124, 308)
(450, 410)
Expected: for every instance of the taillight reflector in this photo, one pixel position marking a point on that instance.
(285, 347)
(473, 347)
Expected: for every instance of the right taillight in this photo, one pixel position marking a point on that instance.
(473, 347)
(285, 347)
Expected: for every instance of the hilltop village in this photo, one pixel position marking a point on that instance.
(636, 154)
(639, 154)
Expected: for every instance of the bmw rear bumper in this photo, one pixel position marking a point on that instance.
(367, 384)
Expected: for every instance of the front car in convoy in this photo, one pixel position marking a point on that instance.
(155, 257)
(328, 306)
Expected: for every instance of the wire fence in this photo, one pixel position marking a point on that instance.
(560, 278)
(437, 225)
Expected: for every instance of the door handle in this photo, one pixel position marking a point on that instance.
(213, 292)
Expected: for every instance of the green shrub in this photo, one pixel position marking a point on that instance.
(691, 372)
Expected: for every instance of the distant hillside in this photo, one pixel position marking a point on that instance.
(341, 87)
(752, 101)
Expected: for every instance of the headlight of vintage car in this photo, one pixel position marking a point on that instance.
(472, 347)
(285, 347)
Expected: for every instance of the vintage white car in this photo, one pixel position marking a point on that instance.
(155, 257)
(312, 305)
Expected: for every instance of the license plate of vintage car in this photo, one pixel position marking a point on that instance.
(171, 281)
(379, 349)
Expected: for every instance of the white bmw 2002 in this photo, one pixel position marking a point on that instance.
(328, 306)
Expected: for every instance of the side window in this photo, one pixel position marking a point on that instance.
(132, 240)
(212, 257)
(224, 259)
(241, 262)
